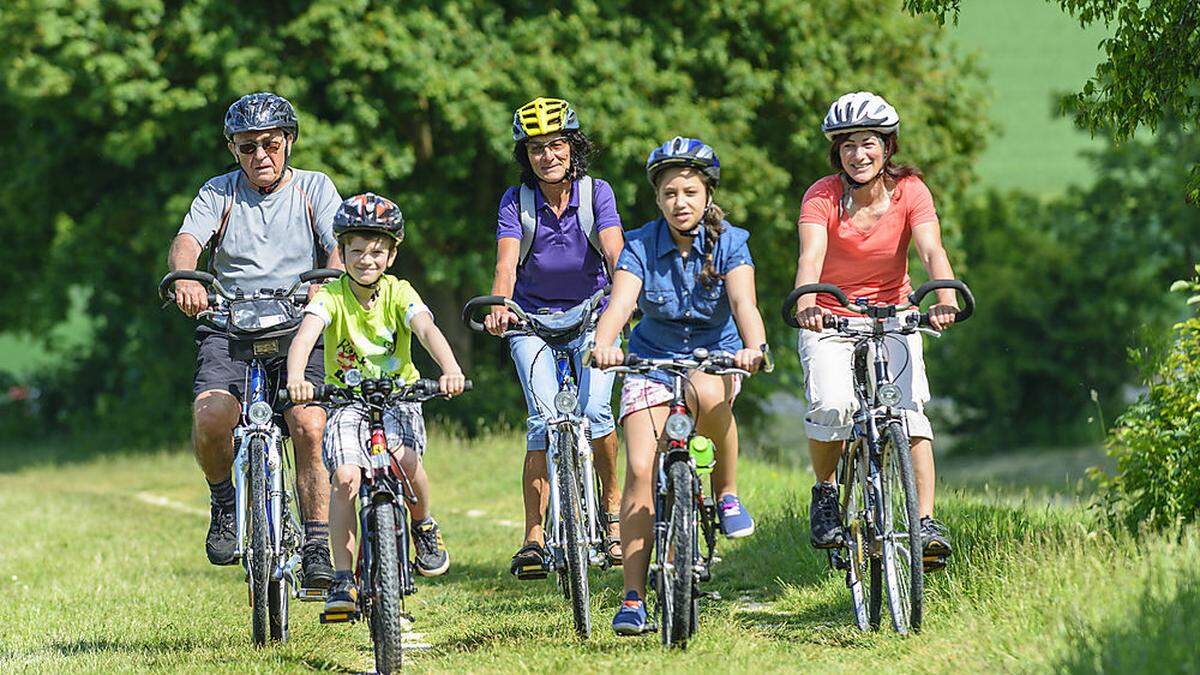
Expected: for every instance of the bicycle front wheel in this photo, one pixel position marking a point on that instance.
(903, 567)
(386, 603)
(679, 562)
(259, 555)
(574, 532)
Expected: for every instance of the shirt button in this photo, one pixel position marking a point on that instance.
(688, 313)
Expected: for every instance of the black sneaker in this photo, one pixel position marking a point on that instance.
(935, 543)
(432, 559)
(824, 521)
(221, 542)
(529, 562)
(342, 597)
(314, 561)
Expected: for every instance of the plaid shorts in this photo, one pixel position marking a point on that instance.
(348, 432)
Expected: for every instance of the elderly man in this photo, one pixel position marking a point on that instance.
(264, 224)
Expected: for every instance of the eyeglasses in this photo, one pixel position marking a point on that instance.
(555, 146)
(271, 146)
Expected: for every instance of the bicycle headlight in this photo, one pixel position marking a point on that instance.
(352, 377)
(565, 402)
(889, 394)
(259, 412)
(679, 426)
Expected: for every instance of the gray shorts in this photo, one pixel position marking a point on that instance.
(348, 433)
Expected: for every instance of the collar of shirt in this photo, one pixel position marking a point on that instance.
(540, 203)
(666, 245)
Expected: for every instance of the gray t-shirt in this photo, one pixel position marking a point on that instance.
(269, 239)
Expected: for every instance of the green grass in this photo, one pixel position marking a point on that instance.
(102, 571)
(1032, 52)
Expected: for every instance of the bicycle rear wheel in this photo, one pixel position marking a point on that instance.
(857, 536)
(903, 567)
(679, 561)
(574, 532)
(258, 553)
(386, 610)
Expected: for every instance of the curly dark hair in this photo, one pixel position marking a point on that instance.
(582, 149)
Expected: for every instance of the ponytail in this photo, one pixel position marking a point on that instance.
(713, 222)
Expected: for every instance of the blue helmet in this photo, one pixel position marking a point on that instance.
(260, 112)
(680, 151)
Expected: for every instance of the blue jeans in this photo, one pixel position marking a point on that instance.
(535, 366)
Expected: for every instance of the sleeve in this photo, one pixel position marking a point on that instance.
(324, 209)
(920, 203)
(736, 250)
(410, 305)
(204, 216)
(605, 206)
(632, 259)
(818, 204)
(322, 306)
(508, 219)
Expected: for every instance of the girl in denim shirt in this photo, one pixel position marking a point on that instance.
(691, 274)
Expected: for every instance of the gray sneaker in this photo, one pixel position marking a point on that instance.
(432, 559)
(824, 519)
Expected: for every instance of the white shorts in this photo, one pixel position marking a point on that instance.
(828, 381)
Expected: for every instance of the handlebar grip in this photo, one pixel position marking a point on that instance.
(632, 360)
(323, 393)
(954, 284)
(321, 273)
(831, 321)
(468, 312)
(430, 387)
(167, 292)
(788, 309)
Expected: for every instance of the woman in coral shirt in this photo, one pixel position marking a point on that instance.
(855, 229)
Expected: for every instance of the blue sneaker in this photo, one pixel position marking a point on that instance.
(735, 522)
(631, 618)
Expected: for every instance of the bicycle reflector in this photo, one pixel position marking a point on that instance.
(889, 394)
(352, 377)
(565, 402)
(259, 412)
(679, 426)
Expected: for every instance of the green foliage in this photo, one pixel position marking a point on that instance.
(1149, 75)
(1066, 285)
(1157, 476)
(115, 109)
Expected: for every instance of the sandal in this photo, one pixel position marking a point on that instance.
(529, 562)
(611, 542)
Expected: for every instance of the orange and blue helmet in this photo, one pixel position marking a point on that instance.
(367, 213)
(681, 151)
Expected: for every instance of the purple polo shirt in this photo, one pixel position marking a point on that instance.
(562, 269)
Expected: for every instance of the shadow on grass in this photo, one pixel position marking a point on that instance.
(779, 551)
(18, 454)
(157, 646)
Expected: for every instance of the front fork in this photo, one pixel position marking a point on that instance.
(243, 440)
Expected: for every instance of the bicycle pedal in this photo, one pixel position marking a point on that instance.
(709, 595)
(312, 594)
(339, 617)
(933, 563)
(529, 572)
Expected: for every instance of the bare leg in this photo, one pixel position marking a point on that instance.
(604, 456)
(637, 499)
(715, 420)
(922, 459)
(536, 490)
(825, 455)
(415, 469)
(214, 415)
(343, 522)
(307, 425)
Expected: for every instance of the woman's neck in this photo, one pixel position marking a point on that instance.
(557, 195)
(682, 241)
(871, 193)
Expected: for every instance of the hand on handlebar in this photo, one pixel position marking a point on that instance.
(499, 319)
(942, 316)
(812, 318)
(191, 297)
(452, 384)
(301, 391)
(749, 359)
(607, 357)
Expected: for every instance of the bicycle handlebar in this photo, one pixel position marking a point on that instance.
(788, 309)
(166, 289)
(714, 363)
(419, 391)
(474, 304)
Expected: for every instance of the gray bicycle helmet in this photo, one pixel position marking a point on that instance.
(260, 112)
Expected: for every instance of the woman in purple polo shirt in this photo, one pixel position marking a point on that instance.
(566, 261)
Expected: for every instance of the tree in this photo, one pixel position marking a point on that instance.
(115, 109)
(1150, 73)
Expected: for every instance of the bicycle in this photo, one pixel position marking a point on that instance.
(680, 503)
(384, 571)
(574, 522)
(881, 537)
(269, 535)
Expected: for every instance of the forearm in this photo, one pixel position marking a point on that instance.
(439, 348)
(184, 253)
(302, 346)
(750, 325)
(808, 271)
(937, 264)
(504, 282)
(614, 318)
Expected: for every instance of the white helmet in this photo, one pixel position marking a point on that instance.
(860, 111)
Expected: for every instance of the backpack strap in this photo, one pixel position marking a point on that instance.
(318, 253)
(528, 222)
(215, 241)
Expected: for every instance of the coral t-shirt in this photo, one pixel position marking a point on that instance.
(872, 265)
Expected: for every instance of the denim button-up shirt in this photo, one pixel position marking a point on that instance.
(679, 312)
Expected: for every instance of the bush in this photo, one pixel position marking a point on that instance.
(1154, 443)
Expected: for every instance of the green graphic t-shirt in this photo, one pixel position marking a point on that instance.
(376, 341)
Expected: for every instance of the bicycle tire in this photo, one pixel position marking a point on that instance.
(682, 554)
(574, 535)
(278, 594)
(903, 566)
(388, 643)
(259, 556)
(857, 538)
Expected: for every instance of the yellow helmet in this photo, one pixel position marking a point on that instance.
(543, 116)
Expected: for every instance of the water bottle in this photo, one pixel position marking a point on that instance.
(702, 451)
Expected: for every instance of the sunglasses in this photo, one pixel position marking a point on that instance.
(555, 146)
(271, 146)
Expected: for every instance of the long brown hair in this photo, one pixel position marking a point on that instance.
(891, 146)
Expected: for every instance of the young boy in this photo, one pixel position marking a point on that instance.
(369, 318)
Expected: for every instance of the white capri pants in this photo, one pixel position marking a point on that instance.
(829, 386)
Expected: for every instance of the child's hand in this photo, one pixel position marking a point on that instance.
(748, 359)
(452, 384)
(301, 391)
(607, 357)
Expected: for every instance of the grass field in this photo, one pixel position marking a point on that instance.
(1032, 52)
(102, 570)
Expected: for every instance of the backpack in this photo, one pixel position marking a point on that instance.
(586, 213)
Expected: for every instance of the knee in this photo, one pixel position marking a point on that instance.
(307, 427)
(346, 481)
(214, 414)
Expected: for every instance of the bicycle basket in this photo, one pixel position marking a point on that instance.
(261, 327)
